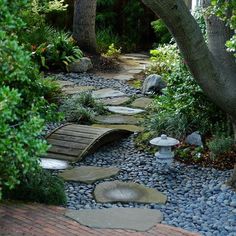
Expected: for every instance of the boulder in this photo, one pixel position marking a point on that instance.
(81, 65)
(153, 84)
(194, 139)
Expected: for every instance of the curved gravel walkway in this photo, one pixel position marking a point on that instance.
(198, 199)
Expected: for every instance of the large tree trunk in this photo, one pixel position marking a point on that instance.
(211, 65)
(84, 24)
(216, 77)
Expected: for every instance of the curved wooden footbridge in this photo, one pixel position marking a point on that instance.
(71, 142)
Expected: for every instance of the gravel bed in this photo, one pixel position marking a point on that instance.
(198, 199)
(85, 79)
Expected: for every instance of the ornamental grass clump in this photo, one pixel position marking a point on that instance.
(82, 108)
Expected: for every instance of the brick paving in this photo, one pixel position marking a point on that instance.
(36, 219)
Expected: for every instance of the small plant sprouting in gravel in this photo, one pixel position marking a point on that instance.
(82, 108)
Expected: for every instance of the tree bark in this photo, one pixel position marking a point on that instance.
(84, 24)
(216, 77)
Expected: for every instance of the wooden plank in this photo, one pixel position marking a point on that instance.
(67, 151)
(86, 131)
(76, 134)
(67, 143)
(86, 128)
(70, 138)
(59, 156)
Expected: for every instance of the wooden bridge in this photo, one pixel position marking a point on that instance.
(71, 142)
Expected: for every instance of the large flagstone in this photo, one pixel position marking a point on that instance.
(140, 219)
(125, 110)
(123, 77)
(63, 83)
(77, 89)
(117, 119)
(106, 93)
(115, 101)
(88, 174)
(142, 102)
(53, 164)
(117, 191)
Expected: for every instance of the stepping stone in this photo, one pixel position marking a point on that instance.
(131, 128)
(139, 219)
(125, 110)
(117, 191)
(135, 71)
(77, 89)
(63, 83)
(123, 77)
(118, 119)
(115, 101)
(106, 93)
(142, 102)
(53, 164)
(137, 55)
(88, 174)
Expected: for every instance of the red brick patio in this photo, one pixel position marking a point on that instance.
(37, 219)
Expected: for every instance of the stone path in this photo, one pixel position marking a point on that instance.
(114, 191)
(115, 100)
(37, 220)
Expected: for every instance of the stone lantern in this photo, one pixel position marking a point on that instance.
(164, 143)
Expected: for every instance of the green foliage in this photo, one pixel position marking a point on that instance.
(46, 6)
(196, 153)
(105, 38)
(52, 90)
(198, 15)
(58, 51)
(113, 51)
(126, 19)
(183, 107)
(226, 10)
(164, 60)
(220, 144)
(162, 32)
(82, 108)
(24, 109)
(51, 49)
(39, 187)
(19, 145)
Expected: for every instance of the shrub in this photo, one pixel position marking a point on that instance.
(162, 32)
(220, 144)
(57, 52)
(23, 108)
(105, 37)
(113, 52)
(183, 107)
(52, 90)
(82, 108)
(39, 187)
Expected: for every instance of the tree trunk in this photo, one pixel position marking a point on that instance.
(211, 65)
(188, 3)
(84, 24)
(217, 79)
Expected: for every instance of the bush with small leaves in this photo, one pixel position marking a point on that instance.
(39, 187)
(23, 108)
(220, 144)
